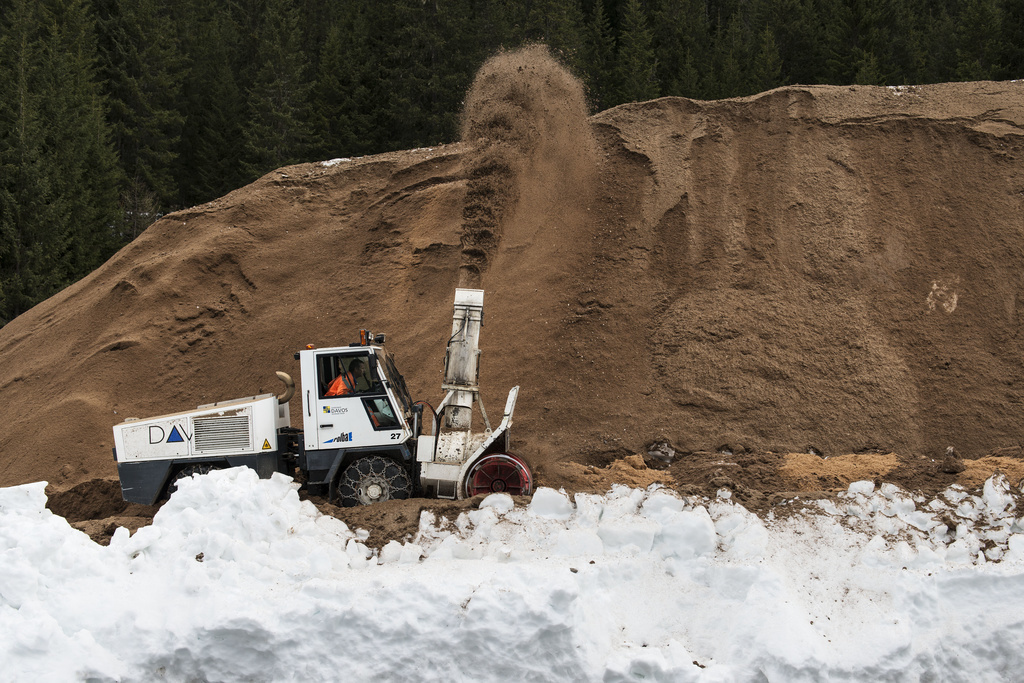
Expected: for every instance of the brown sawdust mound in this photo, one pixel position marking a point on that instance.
(814, 265)
(629, 471)
(808, 472)
(981, 469)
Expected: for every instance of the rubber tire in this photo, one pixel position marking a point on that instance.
(355, 480)
(188, 471)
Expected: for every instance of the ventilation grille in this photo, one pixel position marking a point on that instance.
(222, 432)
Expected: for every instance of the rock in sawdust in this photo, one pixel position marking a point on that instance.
(952, 463)
(660, 455)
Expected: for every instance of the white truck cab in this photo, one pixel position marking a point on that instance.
(348, 399)
(354, 401)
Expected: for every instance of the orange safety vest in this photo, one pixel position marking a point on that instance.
(341, 385)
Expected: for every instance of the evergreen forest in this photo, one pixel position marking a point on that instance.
(117, 111)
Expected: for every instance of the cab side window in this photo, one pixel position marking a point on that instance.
(345, 375)
(381, 415)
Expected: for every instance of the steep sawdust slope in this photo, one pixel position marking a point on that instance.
(826, 266)
(836, 267)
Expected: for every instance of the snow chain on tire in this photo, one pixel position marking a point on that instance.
(372, 479)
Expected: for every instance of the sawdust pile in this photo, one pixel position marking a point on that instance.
(808, 472)
(977, 471)
(523, 107)
(836, 267)
(629, 471)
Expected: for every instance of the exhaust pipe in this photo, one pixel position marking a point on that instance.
(289, 387)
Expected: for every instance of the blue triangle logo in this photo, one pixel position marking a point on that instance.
(175, 436)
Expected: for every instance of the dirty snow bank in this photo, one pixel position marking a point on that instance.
(237, 579)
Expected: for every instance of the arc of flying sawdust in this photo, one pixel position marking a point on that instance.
(502, 123)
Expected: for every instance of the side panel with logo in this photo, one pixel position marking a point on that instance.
(231, 428)
(335, 424)
(157, 440)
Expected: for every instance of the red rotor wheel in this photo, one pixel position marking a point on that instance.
(499, 473)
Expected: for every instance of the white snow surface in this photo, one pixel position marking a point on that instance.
(237, 579)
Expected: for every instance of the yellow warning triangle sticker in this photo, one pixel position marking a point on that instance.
(266, 444)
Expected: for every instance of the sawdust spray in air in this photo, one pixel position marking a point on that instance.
(522, 104)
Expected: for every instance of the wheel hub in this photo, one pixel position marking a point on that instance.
(373, 488)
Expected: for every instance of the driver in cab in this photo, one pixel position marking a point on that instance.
(350, 382)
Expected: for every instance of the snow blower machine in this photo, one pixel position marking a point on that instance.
(362, 439)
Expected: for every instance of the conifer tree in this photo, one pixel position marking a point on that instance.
(277, 130)
(58, 189)
(766, 72)
(797, 27)
(141, 68)
(914, 57)
(84, 169)
(866, 68)
(315, 20)
(876, 41)
(24, 187)
(977, 41)
(637, 64)
(461, 50)
(936, 57)
(342, 92)
(682, 41)
(1011, 36)
(597, 57)
(401, 55)
(839, 36)
(419, 64)
(731, 79)
(209, 162)
(559, 24)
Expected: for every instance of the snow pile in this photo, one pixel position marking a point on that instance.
(237, 579)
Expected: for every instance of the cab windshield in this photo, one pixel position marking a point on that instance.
(346, 375)
(397, 382)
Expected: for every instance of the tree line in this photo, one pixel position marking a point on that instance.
(115, 111)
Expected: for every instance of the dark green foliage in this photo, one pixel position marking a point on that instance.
(682, 43)
(636, 76)
(978, 53)
(558, 23)
(597, 57)
(117, 110)
(141, 68)
(344, 89)
(798, 28)
(766, 71)
(417, 45)
(1011, 39)
(59, 214)
(212, 103)
(730, 58)
(277, 130)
